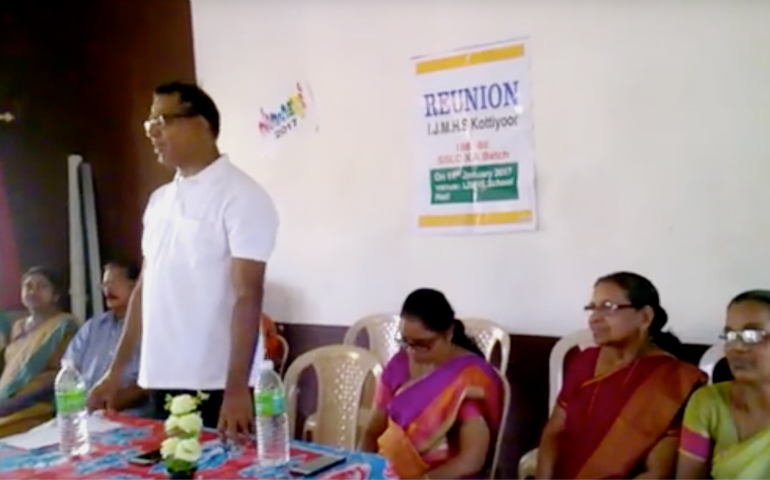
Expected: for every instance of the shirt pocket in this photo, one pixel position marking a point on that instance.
(154, 230)
(199, 242)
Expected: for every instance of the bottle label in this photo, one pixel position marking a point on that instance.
(71, 401)
(270, 403)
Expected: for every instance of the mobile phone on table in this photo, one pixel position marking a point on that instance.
(147, 458)
(317, 465)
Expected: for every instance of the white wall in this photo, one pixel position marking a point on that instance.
(652, 131)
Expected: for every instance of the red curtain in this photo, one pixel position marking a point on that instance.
(10, 271)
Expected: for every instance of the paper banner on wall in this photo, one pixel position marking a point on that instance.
(474, 149)
(288, 117)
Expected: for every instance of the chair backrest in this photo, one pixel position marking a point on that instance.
(382, 331)
(284, 355)
(581, 339)
(710, 359)
(503, 418)
(488, 334)
(341, 371)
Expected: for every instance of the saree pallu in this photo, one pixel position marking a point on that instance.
(614, 420)
(422, 412)
(32, 361)
(709, 434)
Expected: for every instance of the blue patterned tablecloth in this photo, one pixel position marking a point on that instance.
(111, 451)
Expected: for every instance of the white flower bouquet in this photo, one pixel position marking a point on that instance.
(182, 448)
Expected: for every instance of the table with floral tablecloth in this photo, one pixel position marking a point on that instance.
(111, 451)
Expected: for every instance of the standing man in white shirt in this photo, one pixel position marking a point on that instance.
(207, 237)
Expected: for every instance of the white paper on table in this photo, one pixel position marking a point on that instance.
(47, 433)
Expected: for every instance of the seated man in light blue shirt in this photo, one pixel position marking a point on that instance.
(93, 347)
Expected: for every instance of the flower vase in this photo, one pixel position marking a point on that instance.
(186, 475)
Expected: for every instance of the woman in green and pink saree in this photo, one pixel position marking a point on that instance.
(726, 431)
(439, 402)
(32, 351)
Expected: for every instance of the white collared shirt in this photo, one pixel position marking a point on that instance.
(193, 228)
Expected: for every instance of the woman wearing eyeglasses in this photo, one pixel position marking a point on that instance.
(726, 431)
(439, 403)
(619, 409)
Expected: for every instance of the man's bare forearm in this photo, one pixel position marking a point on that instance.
(132, 332)
(245, 331)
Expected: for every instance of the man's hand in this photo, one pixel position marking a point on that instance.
(236, 417)
(103, 394)
(237, 413)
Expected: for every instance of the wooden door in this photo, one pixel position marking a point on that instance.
(36, 134)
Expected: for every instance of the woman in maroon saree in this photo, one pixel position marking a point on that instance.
(619, 410)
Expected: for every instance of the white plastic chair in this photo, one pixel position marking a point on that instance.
(341, 371)
(488, 334)
(582, 339)
(710, 359)
(284, 355)
(503, 418)
(382, 332)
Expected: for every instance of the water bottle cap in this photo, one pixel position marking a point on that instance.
(265, 365)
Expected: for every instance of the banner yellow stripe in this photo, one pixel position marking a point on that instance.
(471, 219)
(474, 58)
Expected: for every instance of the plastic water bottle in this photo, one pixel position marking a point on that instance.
(271, 418)
(72, 411)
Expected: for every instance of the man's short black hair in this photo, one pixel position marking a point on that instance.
(195, 99)
(128, 266)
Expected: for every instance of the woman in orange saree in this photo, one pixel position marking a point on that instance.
(619, 410)
(439, 401)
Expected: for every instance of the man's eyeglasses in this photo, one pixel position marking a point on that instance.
(417, 344)
(607, 307)
(162, 121)
(751, 336)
